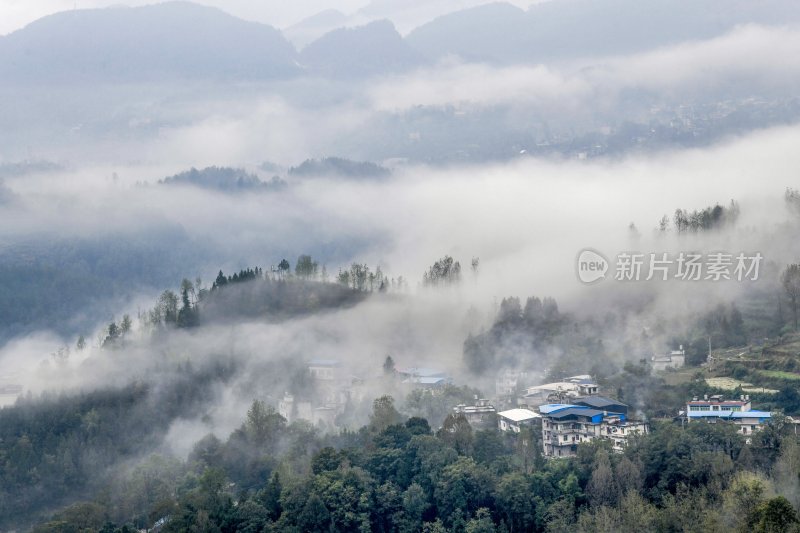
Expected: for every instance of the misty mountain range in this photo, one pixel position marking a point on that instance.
(181, 40)
(288, 278)
(109, 87)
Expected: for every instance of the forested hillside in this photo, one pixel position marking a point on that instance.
(398, 474)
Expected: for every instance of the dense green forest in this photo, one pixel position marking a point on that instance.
(398, 474)
(57, 448)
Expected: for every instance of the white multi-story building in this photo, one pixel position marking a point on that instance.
(514, 420)
(619, 431)
(564, 426)
(739, 412)
(480, 416)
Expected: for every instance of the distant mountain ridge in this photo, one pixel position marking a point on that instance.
(312, 28)
(162, 41)
(567, 29)
(493, 32)
(180, 40)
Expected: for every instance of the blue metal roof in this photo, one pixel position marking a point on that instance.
(601, 402)
(553, 407)
(560, 410)
(578, 411)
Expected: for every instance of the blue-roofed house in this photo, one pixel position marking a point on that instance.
(564, 426)
(717, 409)
(424, 377)
(602, 403)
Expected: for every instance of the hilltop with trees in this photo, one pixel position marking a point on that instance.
(224, 179)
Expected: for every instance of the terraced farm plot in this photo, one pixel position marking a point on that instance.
(726, 383)
(779, 374)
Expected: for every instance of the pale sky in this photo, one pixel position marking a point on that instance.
(14, 14)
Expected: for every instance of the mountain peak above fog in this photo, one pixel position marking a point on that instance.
(374, 48)
(167, 40)
(312, 28)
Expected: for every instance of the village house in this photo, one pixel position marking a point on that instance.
(564, 426)
(324, 369)
(482, 415)
(333, 388)
(292, 409)
(424, 377)
(557, 392)
(717, 409)
(675, 359)
(514, 420)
